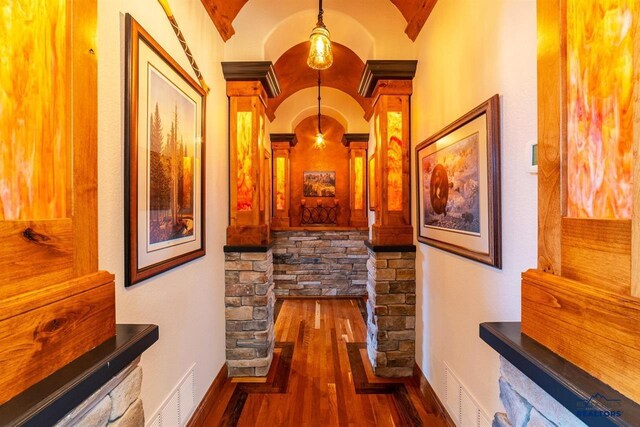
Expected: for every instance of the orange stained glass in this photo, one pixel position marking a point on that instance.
(600, 108)
(35, 144)
(358, 170)
(372, 182)
(263, 173)
(394, 161)
(245, 161)
(280, 186)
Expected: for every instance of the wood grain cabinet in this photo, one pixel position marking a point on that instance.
(582, 301)
(55, 304)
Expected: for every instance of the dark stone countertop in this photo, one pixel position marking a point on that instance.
(51, 399)
(571, 386)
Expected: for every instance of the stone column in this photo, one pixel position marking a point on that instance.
(391, 283)
(249, 302)
(391, 311)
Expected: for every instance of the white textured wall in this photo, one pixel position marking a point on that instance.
(188, 301)
(468, 51)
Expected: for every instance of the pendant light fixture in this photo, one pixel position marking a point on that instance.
(320, 142)
(320, 53)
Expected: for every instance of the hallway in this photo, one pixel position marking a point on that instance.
(321, 376)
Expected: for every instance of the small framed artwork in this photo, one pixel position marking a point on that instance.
(458, 176)
(319, 184)
(372, 182)
(164, 160)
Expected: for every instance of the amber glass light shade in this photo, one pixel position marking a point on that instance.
(320, 143)
(320, 53)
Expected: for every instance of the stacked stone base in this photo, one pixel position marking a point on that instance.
(320, 263)
(116, 404)
(391, 313)
(527, 404)
(249, 303)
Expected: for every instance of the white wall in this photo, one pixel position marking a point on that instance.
(188, 301)
(468, 51)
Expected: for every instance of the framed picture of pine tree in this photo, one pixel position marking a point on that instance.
(164, 160)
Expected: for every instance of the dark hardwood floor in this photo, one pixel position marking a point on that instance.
(321, 376)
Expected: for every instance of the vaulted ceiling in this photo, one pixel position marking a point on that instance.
(223, 12)
(294, 74)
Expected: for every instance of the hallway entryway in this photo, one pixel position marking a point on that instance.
(321, 376)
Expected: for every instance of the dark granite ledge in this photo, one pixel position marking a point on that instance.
(264, 248)
(389, 248)
(564, 381)
(49, 400)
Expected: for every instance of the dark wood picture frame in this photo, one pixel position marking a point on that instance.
(492, 253)
(134, 273)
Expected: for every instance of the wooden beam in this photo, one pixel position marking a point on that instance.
(222, 13)
(416, 13)
(419, 18)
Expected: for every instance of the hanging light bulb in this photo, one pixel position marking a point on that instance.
(320, 53)
(319, 143)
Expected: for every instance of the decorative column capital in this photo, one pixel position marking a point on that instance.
(377, 70)
(350, 138)
(283, 140)
(248, 71)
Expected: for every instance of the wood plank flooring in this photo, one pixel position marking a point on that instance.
(321, 376)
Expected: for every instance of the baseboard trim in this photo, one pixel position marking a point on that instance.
(206, 405)
(429, 394)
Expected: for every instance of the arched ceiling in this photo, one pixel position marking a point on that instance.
(223, 12)
(307, 129)
(294, 74)
(335, 103)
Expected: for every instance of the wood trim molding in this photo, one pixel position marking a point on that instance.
(635, 220)
(375, 70)
(550, 132)
(348, 138)
(290, 138)
(429, 395)
(208, 401)
(261, 71)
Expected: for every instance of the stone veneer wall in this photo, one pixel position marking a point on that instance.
(528, 405)
(116, 404)
(391, 313)
(249, 302)
(320, 263)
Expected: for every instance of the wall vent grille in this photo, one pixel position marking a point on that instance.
(178, 407)
(461, 404)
